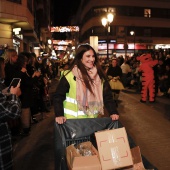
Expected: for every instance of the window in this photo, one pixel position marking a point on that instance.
(121, 31)
(147, 13)
(105, 10)
(147, 32)
(130, 11)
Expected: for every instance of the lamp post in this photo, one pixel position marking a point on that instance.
(106, 23)
(133, 34)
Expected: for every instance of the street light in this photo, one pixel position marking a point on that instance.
(133, 34)
(106, 23)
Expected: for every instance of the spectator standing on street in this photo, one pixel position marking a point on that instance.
(11, 71)
(10, 107)
(37, 104)
(114, 74)
(126, 73)
(10, 66)
(120, 60)
(26, 89)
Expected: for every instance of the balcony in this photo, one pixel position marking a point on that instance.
(16, 14)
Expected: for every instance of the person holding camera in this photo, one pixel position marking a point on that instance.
(10, 108)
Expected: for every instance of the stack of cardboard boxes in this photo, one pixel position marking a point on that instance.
(113, 153)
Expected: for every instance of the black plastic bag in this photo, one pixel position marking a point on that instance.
(77, 129)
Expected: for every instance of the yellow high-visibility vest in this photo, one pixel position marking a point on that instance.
(71, 110)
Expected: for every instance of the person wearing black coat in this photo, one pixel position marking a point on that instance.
(11, 71)
(38, 92)
(27, 82)
(114, 74)
(11, 68)
(10, 107)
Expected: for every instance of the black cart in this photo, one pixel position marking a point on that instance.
(76, 131)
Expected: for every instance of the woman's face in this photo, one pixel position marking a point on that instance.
(88, 59)
(114, 63)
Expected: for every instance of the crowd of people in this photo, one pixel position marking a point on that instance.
(35, 78)
(20, 105)
(127, 70)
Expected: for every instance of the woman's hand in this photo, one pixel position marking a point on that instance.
(16, 91)
(60, 119)
(24, 69)
(114, 117)
(5, 91)
(36, 73)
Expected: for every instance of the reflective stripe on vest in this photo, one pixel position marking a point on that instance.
(80, 114)
(72, 103)
(71, 112)
(71, 100)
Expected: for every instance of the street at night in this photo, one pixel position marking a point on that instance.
(147, 124)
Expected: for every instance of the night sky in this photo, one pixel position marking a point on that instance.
(64, 9)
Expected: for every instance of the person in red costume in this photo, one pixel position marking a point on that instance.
(148, 80)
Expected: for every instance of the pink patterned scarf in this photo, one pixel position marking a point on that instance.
(87, 102)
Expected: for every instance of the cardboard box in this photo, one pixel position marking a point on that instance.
(76, 161)
(137, 160)
(114, 149)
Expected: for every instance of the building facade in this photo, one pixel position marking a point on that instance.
(25, 24)
(137, 26)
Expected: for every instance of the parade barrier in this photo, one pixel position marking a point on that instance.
(79, 131)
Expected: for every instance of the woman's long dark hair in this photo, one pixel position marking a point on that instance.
(9, 54)
(77, 61)
(22, 58)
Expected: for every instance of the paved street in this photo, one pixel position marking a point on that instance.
(147, 124)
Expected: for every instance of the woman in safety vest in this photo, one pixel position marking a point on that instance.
(83, 90)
